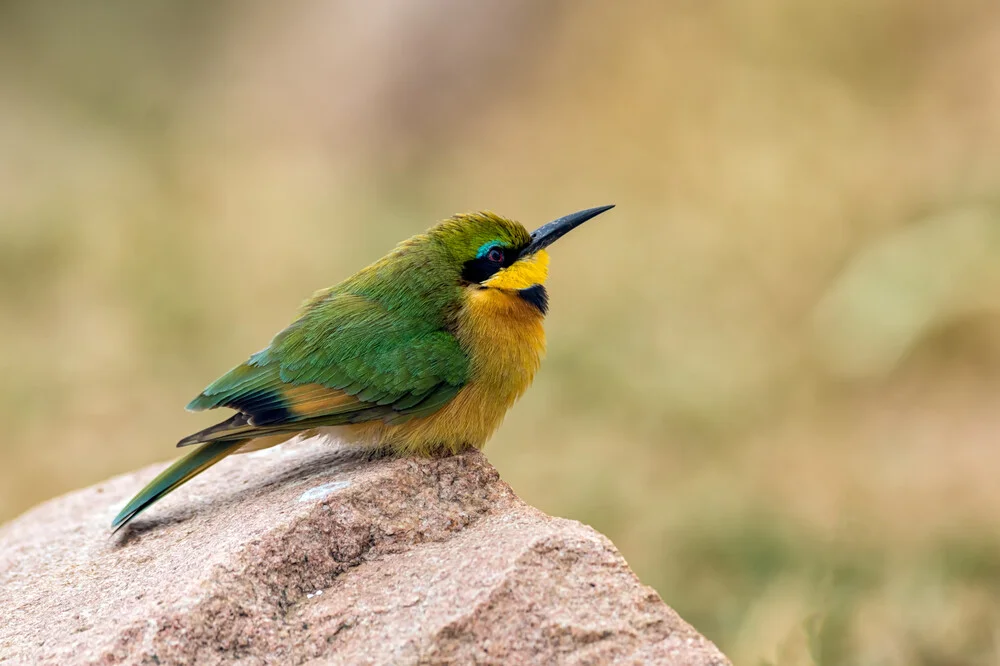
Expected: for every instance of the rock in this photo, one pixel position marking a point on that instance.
(304, 554)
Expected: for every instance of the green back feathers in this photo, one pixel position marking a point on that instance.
(384, 336)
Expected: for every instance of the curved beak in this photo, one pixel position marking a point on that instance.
(548, 234)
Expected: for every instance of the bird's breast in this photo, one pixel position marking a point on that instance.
(502, 334)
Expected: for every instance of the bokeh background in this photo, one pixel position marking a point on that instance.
(774, 369)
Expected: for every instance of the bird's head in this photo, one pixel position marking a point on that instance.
(494, 252)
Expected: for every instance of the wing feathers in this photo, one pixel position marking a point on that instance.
(345, 360)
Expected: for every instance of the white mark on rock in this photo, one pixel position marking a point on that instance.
(314, 594)
(319, 492)
(264, 453)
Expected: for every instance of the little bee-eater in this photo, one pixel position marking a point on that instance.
(421, 352)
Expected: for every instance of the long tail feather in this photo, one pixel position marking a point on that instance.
(181, 471)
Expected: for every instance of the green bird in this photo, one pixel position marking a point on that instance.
(422, 352)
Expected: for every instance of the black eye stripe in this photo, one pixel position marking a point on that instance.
(510, 255)
(478, 270)
(482, 268)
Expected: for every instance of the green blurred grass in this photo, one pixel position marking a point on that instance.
(772, 370)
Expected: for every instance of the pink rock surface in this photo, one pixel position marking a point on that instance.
(302, 554)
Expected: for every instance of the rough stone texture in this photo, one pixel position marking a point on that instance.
(302, 554)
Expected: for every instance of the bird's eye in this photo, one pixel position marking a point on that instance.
(495, 255)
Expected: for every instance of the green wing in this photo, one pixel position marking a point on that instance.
(345, 360)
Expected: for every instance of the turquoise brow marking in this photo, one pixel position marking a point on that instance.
(486, 248)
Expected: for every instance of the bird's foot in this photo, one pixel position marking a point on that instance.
(378, 453)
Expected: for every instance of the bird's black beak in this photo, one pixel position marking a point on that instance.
(548, 234)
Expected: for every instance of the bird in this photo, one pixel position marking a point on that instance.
(421, 353)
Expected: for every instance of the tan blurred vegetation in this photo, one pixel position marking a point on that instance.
(774, 368)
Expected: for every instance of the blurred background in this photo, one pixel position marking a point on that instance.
(774, 369)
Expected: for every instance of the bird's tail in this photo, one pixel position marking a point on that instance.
(181, 471)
